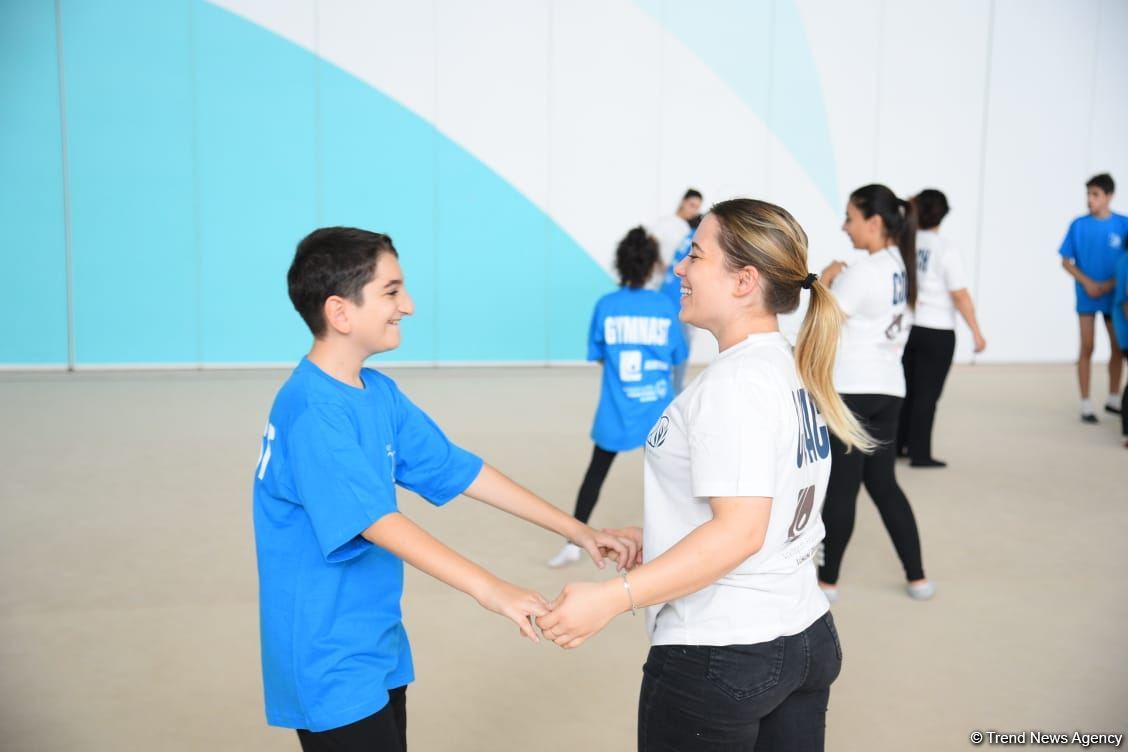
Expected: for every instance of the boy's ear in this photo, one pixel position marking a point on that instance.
(337, 314)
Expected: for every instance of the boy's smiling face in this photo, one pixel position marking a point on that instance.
(1098, 200)
(375, 321)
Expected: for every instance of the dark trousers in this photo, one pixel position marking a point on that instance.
(878, 413)
(593, 481)
(383, 731)
(927, 360)
(768, 697)
(1124, 401)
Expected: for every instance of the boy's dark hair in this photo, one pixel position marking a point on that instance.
(635, 257)
(333, 261)
(692, 193)
(1103, 181)
(695, 221)
(932, 207)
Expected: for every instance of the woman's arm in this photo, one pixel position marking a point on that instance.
(962, 301)
(709, 552)
(493, 488)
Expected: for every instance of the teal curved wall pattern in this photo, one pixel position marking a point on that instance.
(160, 160)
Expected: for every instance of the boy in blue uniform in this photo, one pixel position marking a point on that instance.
(1120, 325)
(636, 335)
(1090, 252)
(671, 288)
(330, 539)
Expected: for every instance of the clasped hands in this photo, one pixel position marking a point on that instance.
(582, 608)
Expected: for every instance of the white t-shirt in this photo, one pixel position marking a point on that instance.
(872, 292)
(744, 427)
(940, 272)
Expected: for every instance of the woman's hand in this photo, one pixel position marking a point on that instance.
(833, 269)
(581, 610)
(980, 343)
(601, 545)
(516, 604)
(633, 534)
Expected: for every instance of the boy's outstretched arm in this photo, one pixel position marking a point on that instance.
(411, 543)
(493, 488)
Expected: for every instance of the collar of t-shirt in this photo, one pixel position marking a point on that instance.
(753, 340)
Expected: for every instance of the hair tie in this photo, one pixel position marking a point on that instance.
(810, 280)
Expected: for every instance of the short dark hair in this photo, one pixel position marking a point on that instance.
(635, 257)
(333, 261)
(695, 221)
(692, 193)
(1103, 181)
(932, 207)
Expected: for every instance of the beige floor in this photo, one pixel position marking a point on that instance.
(128, 617)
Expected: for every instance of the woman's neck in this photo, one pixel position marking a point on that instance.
(739, 329)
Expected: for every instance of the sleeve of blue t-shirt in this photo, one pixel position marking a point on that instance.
(341, 489)
(427, 462)
(1068, 245)
(596, 349)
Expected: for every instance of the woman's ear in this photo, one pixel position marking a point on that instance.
(747, 281)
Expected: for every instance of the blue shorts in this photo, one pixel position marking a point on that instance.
(1087, 306)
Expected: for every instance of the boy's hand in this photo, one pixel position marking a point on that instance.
(516, 604)
(601, 545)
(633, 534)
(581, 610)
(1094, 289)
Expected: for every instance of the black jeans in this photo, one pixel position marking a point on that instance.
(383, 731)
(927, 360)
(593, 482)
(878, 413)
(767, 697)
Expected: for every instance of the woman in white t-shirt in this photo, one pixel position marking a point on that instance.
(877, 293)
(743, 645)
(941, 292)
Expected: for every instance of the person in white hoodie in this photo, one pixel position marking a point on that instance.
(744, 648)
(877, 291)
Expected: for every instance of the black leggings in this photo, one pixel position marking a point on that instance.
(593, 481)
(878, 413)
(927, 360)
(1124, 402)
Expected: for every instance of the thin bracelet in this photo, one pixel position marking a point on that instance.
(630, 595)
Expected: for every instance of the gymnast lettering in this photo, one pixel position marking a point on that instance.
(636, 330)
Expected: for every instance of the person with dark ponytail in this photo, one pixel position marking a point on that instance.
(877, 294)
(932, 340)
(635, 334)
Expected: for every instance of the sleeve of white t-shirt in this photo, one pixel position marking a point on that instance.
(733, 434)
(954, 276)
(849, 288)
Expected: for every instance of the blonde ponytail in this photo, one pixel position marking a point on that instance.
(814, 360)
(765, 236)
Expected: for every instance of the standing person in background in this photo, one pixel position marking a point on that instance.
(671, 229)
(635, 335)
(941, 291)
(1120, 325)
(671, 288)
(876, 292)
(1089, 254)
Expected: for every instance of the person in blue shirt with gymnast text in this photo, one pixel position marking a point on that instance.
(330, 538)
(1089, 253)
(636, 335)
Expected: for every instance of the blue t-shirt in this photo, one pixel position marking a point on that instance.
(333, 641)
(1095, 246)
(671, 283)
(1119, 297)
(637, 336)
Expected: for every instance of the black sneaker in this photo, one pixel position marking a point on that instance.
(1112, 409)
(930, 462)
(1089, 418)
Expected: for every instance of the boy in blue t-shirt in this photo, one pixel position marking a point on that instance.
(636, 335)
(1090, 251)
(1120, 325)
(671, 288)
(330, 539)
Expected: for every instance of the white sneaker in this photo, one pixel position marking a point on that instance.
(922, 591)
(570, 554)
